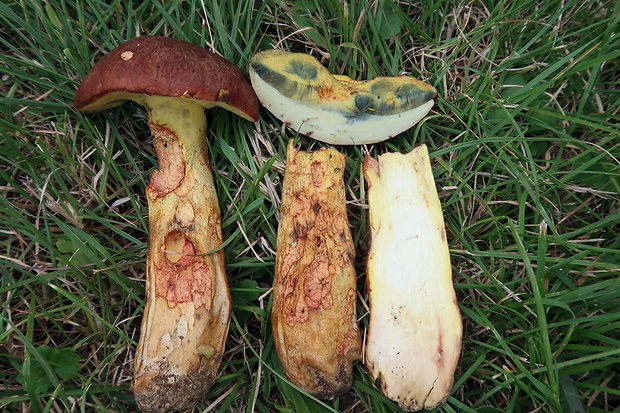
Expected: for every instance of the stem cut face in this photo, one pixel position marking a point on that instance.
(415, 328)
(334, 109)
(313, 316)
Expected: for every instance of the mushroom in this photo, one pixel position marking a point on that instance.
(313, 316)
(188, 307)
(415, 328)
(335, 109)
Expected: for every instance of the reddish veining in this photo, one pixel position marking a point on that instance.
(317, 280)
(316, 250)
(318, 173)
(344, 345)
(171, 162)
(182, 276)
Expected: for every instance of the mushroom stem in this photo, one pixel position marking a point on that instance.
(314, 316)
(188, 306)
(415, 328)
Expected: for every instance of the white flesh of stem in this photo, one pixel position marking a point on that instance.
(415, 329)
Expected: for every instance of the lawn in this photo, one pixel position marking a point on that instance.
(525, 143)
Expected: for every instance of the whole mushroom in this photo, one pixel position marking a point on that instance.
(188, 306)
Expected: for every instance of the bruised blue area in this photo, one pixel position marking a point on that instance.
(284, 85)
(304, 70)
(382, 100)
(407, 97)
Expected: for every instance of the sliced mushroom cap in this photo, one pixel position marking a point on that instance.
(162, 66)
(335, 109)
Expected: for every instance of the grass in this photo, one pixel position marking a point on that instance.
(526, 147)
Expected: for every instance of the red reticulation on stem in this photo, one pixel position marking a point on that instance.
(183, 276)
(171, 172)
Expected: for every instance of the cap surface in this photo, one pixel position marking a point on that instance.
(335, 109)
(162, 66)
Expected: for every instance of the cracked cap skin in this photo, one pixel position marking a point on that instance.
(335, 109)
(162, 66)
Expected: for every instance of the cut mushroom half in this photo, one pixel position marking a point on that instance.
(313, 315)
(188, 307)
(335, 109)
(415, 329)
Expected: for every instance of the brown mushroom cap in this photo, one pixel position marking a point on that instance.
(162, 66)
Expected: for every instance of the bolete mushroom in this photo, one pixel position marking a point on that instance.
(188, 307)
(415, 329)
(335, 109)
